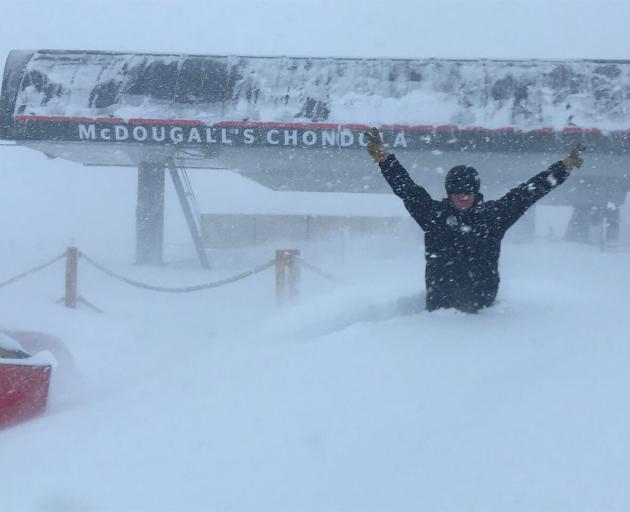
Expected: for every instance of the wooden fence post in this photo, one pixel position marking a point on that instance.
(72, 264)
(293, 273)
(287, 275)
(281, 276)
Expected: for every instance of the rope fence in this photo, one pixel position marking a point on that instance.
(177, 289)
(32, 271)
(316, 270)
(287, 263)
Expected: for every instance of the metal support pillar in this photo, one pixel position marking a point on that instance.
(150, 214)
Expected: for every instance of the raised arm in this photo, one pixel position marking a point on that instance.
(416, 199)
(413, 195)
(516, 202)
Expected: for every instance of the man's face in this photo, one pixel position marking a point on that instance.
(462, 201)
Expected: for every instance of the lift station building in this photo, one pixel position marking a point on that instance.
(297, 123)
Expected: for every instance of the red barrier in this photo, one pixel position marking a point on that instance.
(23, 392)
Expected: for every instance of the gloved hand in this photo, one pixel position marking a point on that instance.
(375, 146)
(574, 159)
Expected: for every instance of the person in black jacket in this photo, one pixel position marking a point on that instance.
(463, 233)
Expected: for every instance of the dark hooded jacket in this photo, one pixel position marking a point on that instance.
(462, 247)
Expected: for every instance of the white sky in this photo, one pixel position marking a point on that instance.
(394, 28)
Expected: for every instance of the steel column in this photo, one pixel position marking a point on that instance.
(150, 214)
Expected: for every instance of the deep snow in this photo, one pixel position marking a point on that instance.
(219, 400)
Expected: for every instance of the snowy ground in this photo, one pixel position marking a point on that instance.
(219, 400)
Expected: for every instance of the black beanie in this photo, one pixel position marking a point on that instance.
(462, 179)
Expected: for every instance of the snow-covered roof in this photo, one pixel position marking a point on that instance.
(524, 94)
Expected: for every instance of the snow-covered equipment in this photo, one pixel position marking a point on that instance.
(24, 383)
(298, 123)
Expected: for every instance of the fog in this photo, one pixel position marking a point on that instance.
(222, 399)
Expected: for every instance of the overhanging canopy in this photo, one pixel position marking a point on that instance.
(297, 123)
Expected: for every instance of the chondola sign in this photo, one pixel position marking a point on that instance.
(196, 133)
(204, 135)
(193, 133)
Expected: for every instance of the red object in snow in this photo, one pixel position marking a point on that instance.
(23, 392)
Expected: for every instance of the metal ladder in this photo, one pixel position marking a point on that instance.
(188, 202)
